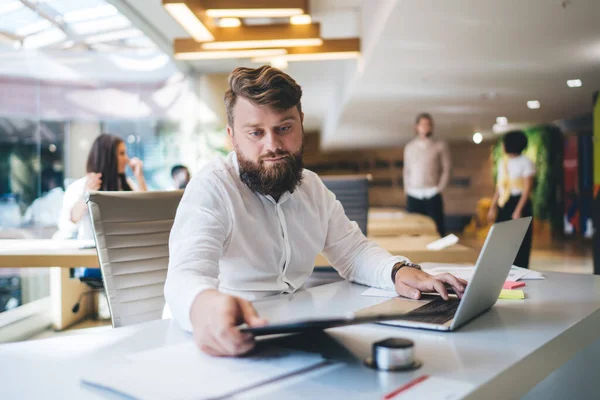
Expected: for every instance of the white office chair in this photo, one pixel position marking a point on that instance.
(131, 230)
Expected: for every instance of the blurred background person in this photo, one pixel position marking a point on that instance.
(106, 164)
(181, 177)
(513, 190)
(426, 172)
(45, 210)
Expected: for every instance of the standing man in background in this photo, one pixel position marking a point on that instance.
(426, 172)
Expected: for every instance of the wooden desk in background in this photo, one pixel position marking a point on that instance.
(389, 222)
(415, 248)
(60, 256)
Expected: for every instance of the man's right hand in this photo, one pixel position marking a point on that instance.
(215, 317)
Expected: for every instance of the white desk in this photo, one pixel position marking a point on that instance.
(60, 255)
(504, 352)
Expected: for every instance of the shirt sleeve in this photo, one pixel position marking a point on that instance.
(446, 162)
(528, 167)
(134, 187)
(74, 193)
(405, 168)
(200, 230)
(355, 257)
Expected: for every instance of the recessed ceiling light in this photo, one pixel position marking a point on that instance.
(574, 83)
(303, 19)
(477, 137)
(502, 121)
(279, 63)
(229, 22)
(533, 104)
(254, 12)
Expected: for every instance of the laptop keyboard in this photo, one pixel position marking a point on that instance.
(438, 311)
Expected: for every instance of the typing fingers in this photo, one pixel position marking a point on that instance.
(458, 285)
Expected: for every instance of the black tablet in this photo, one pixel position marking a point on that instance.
(317, 324)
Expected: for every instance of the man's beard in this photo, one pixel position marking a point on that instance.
(280, 177)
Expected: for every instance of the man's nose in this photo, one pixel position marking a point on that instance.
(272, 141)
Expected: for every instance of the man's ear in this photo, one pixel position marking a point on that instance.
(302, 117)
(230, 132)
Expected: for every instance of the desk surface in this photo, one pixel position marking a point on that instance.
(415, 249)
(400, 223)
(23, 253)
(507, 350)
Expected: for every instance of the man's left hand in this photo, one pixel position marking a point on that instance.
(410, 282)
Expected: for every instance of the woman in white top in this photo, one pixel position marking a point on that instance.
(512, 199)
(105, 168)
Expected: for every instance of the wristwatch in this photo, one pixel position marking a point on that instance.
(403, 264)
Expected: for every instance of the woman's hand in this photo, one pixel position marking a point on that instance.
(136, 166)
(93, 182)
(491, 217)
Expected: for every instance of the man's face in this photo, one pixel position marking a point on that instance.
(268, 144)
(424, 127)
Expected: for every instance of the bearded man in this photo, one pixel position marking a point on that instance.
(251, 225)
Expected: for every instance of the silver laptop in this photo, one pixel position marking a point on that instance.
(492, 268)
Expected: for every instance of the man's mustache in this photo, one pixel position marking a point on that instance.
(277, 153)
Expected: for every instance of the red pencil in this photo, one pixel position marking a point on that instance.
(405, 387)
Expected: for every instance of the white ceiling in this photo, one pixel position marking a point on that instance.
(468, 62)
(465, 61)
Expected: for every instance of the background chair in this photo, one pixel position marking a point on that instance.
(131, 230)
(353, 193)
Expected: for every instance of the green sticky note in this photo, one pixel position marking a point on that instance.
(506, 294)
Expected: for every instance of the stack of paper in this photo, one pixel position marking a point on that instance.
(183, 372)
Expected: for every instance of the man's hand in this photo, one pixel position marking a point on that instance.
(214, 319)
(410, 282)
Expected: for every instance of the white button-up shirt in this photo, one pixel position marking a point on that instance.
(229, 238)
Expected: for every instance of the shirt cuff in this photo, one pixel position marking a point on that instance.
(386, 278)
(182, 312)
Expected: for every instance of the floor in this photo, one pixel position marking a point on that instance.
(571, 256)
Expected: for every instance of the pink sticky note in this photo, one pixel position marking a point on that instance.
(512, 285)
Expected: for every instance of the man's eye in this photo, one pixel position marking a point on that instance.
(284, 128)
(255, 133)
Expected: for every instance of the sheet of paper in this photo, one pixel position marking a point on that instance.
(436, 388)
(443, 243)
(376, 292)
(183, 370)
(528, 273)
(466, 271)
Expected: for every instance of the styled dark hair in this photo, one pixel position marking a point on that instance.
(423, 115)
(102, 158)
(177, 168)
(515, 142)
(265, 86)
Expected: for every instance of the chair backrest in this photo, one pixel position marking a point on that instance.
(131, 230)
(353, 193)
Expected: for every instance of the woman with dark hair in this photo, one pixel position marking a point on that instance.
(513, 190)
(105, 169)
